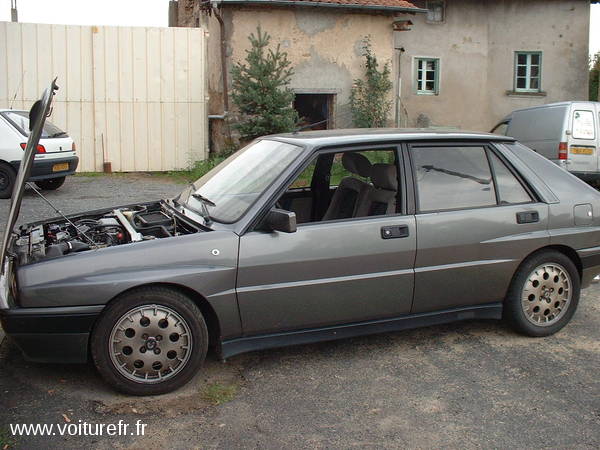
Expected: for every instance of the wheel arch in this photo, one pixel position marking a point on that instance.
(564, 249)
(210, 316)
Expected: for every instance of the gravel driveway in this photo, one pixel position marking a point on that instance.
(467, 385)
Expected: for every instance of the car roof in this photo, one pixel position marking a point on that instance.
(379, 135)
(552, 105)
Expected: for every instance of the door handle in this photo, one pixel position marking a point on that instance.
(394, 232)
(528, 217)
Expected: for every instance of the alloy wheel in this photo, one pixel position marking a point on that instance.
(546, 295)
(150, 344)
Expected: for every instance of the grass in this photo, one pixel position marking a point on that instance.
(7, 440)
(216, 394)
(199, 169)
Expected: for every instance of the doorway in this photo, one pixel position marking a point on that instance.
(316, 111)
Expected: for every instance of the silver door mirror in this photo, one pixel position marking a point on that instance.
(280, 220)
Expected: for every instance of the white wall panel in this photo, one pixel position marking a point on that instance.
(135, 97)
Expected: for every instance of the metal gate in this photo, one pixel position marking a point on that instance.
(135, 97)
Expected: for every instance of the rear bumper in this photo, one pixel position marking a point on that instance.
(42, 168)
(51, 335)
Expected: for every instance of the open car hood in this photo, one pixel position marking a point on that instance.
(37, 116)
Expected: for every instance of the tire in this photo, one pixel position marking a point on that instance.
(138, 318)
(543, 295)
(7, 180)
(50, 184)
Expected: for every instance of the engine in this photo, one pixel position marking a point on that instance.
(93, 231)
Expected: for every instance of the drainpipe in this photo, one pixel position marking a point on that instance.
(223, 59)
(224, 77)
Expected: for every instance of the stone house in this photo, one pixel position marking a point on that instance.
(455, 63)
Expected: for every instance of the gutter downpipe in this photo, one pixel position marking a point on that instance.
(224, 77)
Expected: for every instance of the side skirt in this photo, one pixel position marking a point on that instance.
(247, 344)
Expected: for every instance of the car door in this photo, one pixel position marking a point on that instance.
(476, 221)
(327, 272)
(583, 151)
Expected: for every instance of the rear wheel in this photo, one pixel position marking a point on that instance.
(7, 180)
(544, 294)
(51, 184)
(149, 341)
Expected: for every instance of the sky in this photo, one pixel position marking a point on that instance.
(144, 13)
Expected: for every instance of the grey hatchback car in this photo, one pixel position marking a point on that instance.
(299, 238)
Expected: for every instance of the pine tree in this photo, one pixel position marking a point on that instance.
(369, 98)
(260, 89)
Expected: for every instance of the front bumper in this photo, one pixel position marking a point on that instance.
(43, 168)
(51, 335)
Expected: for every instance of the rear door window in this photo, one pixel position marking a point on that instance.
(453, 177)
(583, 125)
(510, 189)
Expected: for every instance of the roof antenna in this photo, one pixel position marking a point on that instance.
(17, 90)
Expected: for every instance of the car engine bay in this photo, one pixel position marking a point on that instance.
(99, 230)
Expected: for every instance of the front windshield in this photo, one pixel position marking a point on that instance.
(235, 184)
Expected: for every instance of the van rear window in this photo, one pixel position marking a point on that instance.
(583, 125)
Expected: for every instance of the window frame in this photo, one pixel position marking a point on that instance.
(405, 208)
(487, 147)
(527, 88)
(437, 75)
(443, 4)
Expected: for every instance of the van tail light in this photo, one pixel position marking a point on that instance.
(73, 147)
(40, 148)
(563, 151)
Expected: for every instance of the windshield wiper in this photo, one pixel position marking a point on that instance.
(55, 135)
(205, 204)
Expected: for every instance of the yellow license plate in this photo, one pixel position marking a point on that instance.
(582, 151)
(60, 167)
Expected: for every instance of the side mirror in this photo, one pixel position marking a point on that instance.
(280, 220)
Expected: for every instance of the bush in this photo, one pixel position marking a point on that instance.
(369, 98)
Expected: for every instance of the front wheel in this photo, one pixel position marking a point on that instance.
(543, 295)
(149, 341)
(51, 184)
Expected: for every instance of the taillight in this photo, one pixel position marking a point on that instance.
(73, 147)
(563, 150)
(40, 148)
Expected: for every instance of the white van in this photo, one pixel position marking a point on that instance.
(54, 160)
(567, 133)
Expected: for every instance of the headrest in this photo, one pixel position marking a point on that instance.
(357, 164)
(384, 176)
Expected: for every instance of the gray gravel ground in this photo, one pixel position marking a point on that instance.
(467, 385)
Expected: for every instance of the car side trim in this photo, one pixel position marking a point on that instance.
(251, 343)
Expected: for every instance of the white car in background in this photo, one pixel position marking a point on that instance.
(55, 158)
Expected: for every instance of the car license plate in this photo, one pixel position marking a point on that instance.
(60, 167)
(582, 150)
